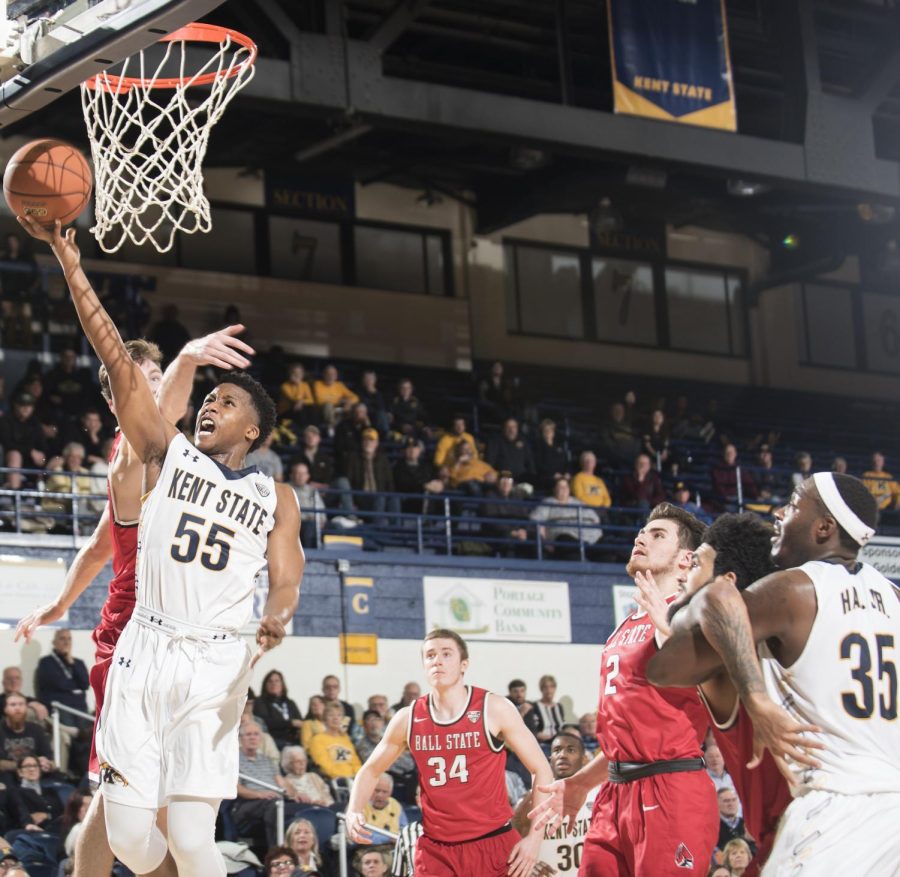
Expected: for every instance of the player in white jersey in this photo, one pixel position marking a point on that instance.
(828, 628)
(560, 851)
(178, 681)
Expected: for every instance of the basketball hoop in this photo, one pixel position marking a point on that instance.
(148, 139)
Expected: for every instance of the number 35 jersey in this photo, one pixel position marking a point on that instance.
(202, 538)
(462, 770)
(845, 681)
(635, 720)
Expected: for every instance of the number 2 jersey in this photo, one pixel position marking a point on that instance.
(635, 720)
(202, 539)
(462, 770)
(845, 681)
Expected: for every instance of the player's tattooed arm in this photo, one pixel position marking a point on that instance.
(136, 408)
(220, 349)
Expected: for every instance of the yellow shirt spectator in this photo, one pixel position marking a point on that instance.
(293, 392)
(334, 755)
(591, 490)
(443, 455)
(471, 470)
(881, 484)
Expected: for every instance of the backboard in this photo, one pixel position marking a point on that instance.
(48, 47)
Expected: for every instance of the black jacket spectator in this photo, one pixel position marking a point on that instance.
(63, 678)
(68, 386)
(320, 464)
(381, 472)
(618, 441)
(169, 334)
(407, 413)
(278, 713)
(13, 813)
(642, 487)
(20, 431)
(550, 458)
(510, 452)
(348, 436)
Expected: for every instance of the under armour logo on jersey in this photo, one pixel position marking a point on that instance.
(219, 635)
(684, 858)
(108, 774)
(124, 662)
(187, 454)
(155, 620)
(473, 715)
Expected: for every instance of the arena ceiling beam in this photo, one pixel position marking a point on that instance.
(390, 29)
(329, 73)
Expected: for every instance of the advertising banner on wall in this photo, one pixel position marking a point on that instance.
(499, 609)
(670, 61)
(624, 602)
(27, 582)
(883, 552)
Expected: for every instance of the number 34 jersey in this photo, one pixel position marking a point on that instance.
(462, 770)
(845, 681)
(202, 538)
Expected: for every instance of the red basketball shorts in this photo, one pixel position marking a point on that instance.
(484, 858)
(653, 827)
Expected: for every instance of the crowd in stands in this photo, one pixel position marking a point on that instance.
(306, 758)
(364, 457)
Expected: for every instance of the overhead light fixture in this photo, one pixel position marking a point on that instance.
(528, 158)
(646, 177)
(791, 242)
(876, 214)
(746, 188)
(604, 218)
(428, 198)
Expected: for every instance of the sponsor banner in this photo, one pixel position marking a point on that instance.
(624, 601)
(27, 583)
(883, 552)
(670, 61)
(359, 648)
(499, 609)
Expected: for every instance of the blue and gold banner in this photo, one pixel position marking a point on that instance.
(359, 614)
(670, 61)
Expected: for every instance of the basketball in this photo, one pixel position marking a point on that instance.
(48, 180)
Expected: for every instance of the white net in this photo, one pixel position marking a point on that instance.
(149, 132)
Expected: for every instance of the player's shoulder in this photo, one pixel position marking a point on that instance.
(286, 501)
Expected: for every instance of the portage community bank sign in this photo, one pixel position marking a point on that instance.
(499, 609)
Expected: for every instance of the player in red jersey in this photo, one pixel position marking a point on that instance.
(115, 538)
(737, 548)
(456, 735)
(657, 815)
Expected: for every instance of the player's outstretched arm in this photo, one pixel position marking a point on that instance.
(286, 563)
(383, 756)
(220, 349)
(91, 558)
(566, 797)
(136, 408)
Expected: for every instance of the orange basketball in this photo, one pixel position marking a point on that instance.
(48, 180)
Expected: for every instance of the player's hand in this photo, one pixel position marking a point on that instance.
(774, 729)
(356, 827)
(564, 798)
(542, 869)
(524, 854)
(649, 599)
(269, 634)
(220, 349)
(63, 245)
(41, 616)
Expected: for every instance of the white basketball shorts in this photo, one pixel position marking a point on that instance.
(825, 834)
(170, 718)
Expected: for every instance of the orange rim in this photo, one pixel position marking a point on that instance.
(197, 33)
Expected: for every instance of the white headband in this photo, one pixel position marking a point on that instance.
(858, 531)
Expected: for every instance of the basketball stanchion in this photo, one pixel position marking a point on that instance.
(149, 133)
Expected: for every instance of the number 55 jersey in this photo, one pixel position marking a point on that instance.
(203, 537)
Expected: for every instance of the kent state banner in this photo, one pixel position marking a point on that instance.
(670, 61)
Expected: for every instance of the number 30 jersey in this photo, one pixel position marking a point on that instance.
(845, 681)
(202, 538)
(635, 720)
(462, 770)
